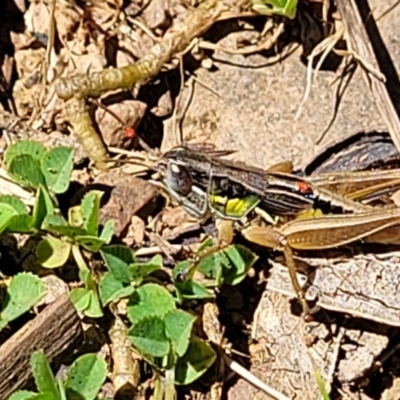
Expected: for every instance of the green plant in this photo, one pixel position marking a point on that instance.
(160, 330)
(84, 380)
(21, 293)
(81, 230)
(286, 8)
(47, 172)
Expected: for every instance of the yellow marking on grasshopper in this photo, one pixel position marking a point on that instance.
(235, 208)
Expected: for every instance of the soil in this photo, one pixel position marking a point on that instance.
(254, 111)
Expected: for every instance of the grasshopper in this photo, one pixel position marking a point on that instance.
(232, 191)
(280, 192)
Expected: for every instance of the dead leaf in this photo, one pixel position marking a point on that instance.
(133, 41)
(83, 58)
(104, 13)
(28, 62)
(7, 70)
(128, 196)
(135, 235)
(27, 88)
(20, 4)
(174, 217)
(37, 18)
(164, 106)
(67, 17)
(176, 221)
(157, 15)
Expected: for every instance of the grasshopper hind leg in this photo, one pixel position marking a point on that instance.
(290, 263)
(271, 239)
(267, 236)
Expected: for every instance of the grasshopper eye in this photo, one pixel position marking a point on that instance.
(178, 178)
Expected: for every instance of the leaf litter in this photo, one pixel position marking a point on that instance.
(81, 70)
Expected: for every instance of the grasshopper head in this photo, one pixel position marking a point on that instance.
(175, 176)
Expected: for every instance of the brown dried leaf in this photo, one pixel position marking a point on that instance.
(364, 286)
(174, 41)
(83, 58)
(37, 18)
(27, 90)
(128, 196)
(134, 43)
(286, 363)
(211, 324)
(396, 198)
(360, 353)
(21, 5)
(6, 72)
(176, 222)
(174, 217)
(164, 106)
(104, 13)
(28, 62)
(135, 235)
(125, 364)
(157, 15)
(21, 40)
(67, 17)
(124, 58)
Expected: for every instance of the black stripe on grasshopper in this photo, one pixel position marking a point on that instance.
(280, 193)
(279, 196)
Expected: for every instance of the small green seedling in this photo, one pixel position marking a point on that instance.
(48, 172)
(21, 294)
(31, 165)
(163, 334)
(84, 380)
(321, 385)
(86, 299)
(81, 230)
(227, 266)
(285, 8)
(124, 272)
(160, 332)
